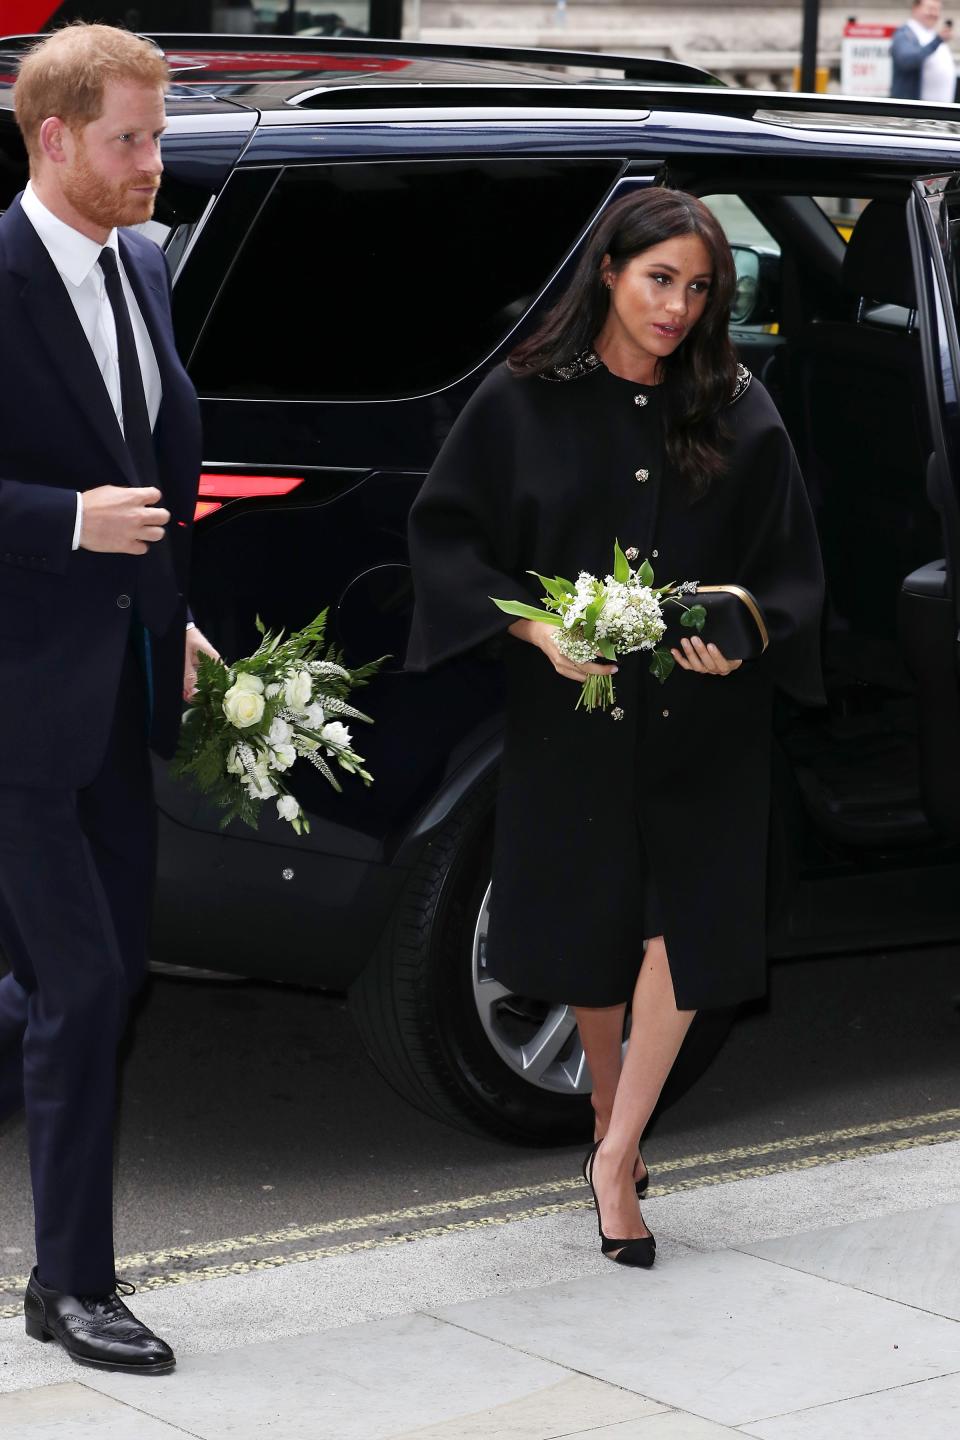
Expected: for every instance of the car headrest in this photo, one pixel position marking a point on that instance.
(877, 263)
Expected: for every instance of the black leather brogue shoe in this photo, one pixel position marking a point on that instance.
(95, 1330)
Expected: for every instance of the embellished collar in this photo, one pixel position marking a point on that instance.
(742, 384)
(579, 366)
(588, 360)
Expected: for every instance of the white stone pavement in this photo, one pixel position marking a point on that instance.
(819, 1304)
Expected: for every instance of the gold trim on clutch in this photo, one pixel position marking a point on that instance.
(747, 599)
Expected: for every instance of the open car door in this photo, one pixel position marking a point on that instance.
(930, 597)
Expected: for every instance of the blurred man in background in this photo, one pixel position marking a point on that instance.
(923, 65)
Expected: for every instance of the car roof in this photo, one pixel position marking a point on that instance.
(288, 79)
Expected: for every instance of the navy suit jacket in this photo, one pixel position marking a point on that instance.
(65, 616)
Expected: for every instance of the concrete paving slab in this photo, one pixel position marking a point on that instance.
(911, 1258)
(254, 1306)
(367, 1382)
(75, 1412)
(559, 1410)
(669, 1425)
(745, 1212)
(928, 1411)
(726, 1336)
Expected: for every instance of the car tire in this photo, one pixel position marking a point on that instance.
(415, 1004)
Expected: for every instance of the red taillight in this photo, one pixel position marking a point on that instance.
(216, 488)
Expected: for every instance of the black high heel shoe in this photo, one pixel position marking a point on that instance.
(641, 1252)
(643, 1185)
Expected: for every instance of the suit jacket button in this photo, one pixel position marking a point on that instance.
(123, 602)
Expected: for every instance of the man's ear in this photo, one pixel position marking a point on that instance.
(53, 140)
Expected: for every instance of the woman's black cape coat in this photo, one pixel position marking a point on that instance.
(544, 473)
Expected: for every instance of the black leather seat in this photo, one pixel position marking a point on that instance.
(864, 445)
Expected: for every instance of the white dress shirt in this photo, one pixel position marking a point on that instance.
(938, 75)
(76, 257)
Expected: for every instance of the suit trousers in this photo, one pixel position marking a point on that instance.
(76, 882)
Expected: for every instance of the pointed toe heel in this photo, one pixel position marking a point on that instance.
(639, 1253)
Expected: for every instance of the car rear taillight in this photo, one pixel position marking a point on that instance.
(215, 489)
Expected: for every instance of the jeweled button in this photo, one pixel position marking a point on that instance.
(655, 554)
(123, 602)
(666, 714)
(631, 552)
(641, 399)
(642, 475)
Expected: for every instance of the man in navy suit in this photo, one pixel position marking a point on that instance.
(99, 465)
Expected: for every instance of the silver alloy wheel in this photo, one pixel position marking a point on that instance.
(539, 1042)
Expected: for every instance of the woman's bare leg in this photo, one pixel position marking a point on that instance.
(601, 1034)
(656, 1034)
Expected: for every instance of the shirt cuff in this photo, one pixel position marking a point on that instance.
(78, 523)
(191, 625)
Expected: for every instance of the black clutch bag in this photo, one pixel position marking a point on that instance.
(734, 623)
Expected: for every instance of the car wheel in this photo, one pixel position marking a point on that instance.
(450, 1038)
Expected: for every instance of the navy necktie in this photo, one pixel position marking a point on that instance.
(156, 597)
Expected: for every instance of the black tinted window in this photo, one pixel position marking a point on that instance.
(390, 278)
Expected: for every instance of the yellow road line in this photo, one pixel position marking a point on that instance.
(271, 1262)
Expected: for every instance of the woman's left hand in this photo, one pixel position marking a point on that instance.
(703, 659)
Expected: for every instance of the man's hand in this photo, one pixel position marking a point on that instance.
(197, 644)
(122, 519)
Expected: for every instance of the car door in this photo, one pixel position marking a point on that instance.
(930, 596)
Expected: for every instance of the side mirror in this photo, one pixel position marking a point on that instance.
(756, 300)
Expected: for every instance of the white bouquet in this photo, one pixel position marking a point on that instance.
(250, 722)
(601, 619)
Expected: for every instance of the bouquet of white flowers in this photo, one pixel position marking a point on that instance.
(249, 722)
(601, 619)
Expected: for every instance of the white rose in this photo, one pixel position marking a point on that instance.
(242, 707)
(234, 763)
(251, 683)
(287, 808)
(336, 734)
(281, 733)
(283, 756)
(314, 716)
(298, 689)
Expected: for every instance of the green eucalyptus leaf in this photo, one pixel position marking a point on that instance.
(621, 565)
(606, 649)
(646, 573)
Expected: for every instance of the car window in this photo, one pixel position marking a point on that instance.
(842, 211)
(752, 246)
(740, 225)
(391, 278)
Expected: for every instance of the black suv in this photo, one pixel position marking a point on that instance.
(358, 231)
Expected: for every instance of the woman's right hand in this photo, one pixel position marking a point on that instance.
(536, 632)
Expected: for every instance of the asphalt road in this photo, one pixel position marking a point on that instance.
(255, 1130)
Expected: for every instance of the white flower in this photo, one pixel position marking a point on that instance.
(243, 707)
(282, 756)
(336, 735)
(314, 716)
(259, 786)
(287, 808)
(234, 763)
(298, 689)
(280, 733)
(272, 691)
(251, 683)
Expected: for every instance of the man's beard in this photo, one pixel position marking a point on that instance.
(107, 203)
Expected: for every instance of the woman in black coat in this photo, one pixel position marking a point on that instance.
(630, 846)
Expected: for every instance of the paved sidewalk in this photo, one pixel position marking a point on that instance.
(814, 1305)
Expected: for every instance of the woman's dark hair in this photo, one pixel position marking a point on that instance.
(699, 377)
